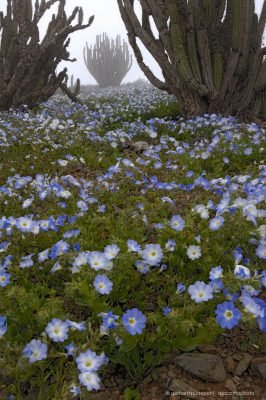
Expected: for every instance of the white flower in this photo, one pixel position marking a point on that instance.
(194, 252)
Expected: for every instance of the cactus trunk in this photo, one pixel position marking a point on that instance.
(27, 66)
(211, 52)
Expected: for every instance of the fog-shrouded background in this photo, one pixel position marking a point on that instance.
(106, 19)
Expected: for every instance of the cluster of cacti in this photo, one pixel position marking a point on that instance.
(108, 61)
(210, 52)
(28, 65)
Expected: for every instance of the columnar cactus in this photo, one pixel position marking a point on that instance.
(28, 65)
(210, 52)
(108, 61)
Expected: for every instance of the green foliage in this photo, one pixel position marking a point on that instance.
(131, 394)
(36, 295)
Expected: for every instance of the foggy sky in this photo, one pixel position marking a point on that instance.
(107, 19)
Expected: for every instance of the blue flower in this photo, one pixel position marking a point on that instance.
(102, 284)
(216, 272)
(216, 223)
(90, 380)
(36, 350)
(109, 320)
(71, 349)
(75, 390)
(97, 260)
(251, 305)
(227, 315)
(57, 330)
(76, 247)
(3, 325)
(111, 251)
(261, 251)
(170, 245)
(180, 288)
(89, 361)
(58, 249)
(177, 223)
(200, 291)
(152, 254)
(25, 224)
(4, 278)
(217, 285)
(71, 233)
(242, 272)
(134, 321)
(142, 267)
(262, 319)
(166, 310)
(133, 245)
(230, 296)
(76, 326)
(26, 261)
(43, 255)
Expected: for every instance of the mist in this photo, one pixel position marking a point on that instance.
(106, 19)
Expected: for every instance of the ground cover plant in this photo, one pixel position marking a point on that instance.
(124, 235)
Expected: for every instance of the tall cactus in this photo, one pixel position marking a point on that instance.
(210, 52)
(108, 61)
(28, 65)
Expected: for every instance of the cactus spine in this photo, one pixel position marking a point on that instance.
(108, 61)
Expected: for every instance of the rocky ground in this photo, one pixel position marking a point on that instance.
(221, 370)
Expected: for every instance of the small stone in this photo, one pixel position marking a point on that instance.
(243, 364)
(208, 367)
(229, 364)
(178, 385)
(208, 348)
(140, 145)
(147, 380)
(258, 366)
(229, 384)
(236, 379)
(236, 357)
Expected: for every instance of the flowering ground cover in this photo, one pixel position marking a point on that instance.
(125, 233)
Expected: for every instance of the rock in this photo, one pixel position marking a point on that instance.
(243, 364)
(229, 364)
(208, 348)
(258, 366)
(178, 385)
(140, 145)
(237, 357)
(147, 380)
(236, 380)
(229, 384)
(208, 367)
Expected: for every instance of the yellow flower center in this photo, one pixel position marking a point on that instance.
(229, 314)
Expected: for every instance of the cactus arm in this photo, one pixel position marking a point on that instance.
(262, 23)
(137, 52)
